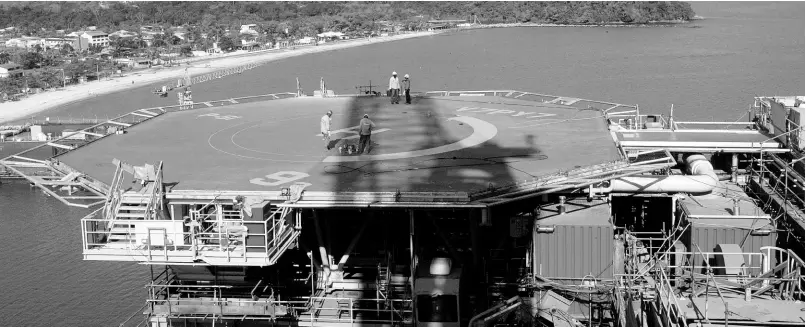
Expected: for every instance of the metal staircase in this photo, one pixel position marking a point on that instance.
(123, 206)
(282, 235)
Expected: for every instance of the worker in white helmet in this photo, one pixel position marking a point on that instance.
(406, 86)
(324, 127)
(394, 88)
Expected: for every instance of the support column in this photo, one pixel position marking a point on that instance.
(329, 245)
(320, 241)
(413, 259)
(734, 167)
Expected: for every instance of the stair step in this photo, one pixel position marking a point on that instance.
(140, 208)
(130, 215)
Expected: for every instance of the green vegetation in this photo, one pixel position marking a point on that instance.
(307, 18)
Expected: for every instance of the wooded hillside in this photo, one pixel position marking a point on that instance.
(307, 17)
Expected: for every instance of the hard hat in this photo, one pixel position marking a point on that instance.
(406, 76)
(330, 112)
(366, 116)
(394, 73)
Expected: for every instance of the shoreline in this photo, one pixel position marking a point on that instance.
(41, 102)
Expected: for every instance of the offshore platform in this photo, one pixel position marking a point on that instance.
(470, 208)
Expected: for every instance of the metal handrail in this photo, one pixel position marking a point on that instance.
(299, 305)
(156, 195)
(206, 238)
(664, 288)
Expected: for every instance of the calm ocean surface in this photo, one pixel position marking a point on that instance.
(709, 68)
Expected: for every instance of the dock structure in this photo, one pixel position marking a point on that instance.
(560, 208)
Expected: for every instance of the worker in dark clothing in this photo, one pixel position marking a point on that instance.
(364, 130)
(406, 85)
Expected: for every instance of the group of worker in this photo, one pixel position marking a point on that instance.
(366, 125)
(395, 87)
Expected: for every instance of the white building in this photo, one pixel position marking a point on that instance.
(123, 34)
(10, 69)
(249, 29)
(24, 42)
(57, 42)
(99, 38)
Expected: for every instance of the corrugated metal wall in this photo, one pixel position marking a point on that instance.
(573, 251)
(778, 117)
(707, 238)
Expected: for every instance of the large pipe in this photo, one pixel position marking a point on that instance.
(702, 179)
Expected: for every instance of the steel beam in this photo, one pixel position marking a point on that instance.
(320, 241)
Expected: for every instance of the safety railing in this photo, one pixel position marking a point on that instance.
(653, 242)
(778, 185)
(745, 270)
(115, 194)
(604, 106)
(223, 73)
(154, 205)
(791, 269)
(212, 241)
(168, 296)
(667, 300)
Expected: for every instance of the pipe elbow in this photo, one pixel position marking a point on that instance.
(702, 180)
(702, 171)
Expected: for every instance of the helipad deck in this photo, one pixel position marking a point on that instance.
(447, 144)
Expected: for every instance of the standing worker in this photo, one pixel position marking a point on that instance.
(364, 130)
(324, 127)
(406, 86)
(394, 88)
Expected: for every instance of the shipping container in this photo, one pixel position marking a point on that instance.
(797, 119)
(749, 234)
(714, 220)
(778, 117)
(576, 243)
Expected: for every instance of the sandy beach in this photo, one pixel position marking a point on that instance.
(33, 104)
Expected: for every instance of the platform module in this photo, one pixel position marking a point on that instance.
(464, 200)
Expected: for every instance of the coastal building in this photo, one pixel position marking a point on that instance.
(58, 42)
(123, 34)
(24, 42)
(99, 38)
(148, 29)
(85, 39)
(180, 32)
(249, 29)
(10, 69)
(445, 23)
(134, 62)
(330, 36)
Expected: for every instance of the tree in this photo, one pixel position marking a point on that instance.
(66, 48)
(5, 57)
(31, 60)
(186, 51)
(226, 43)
